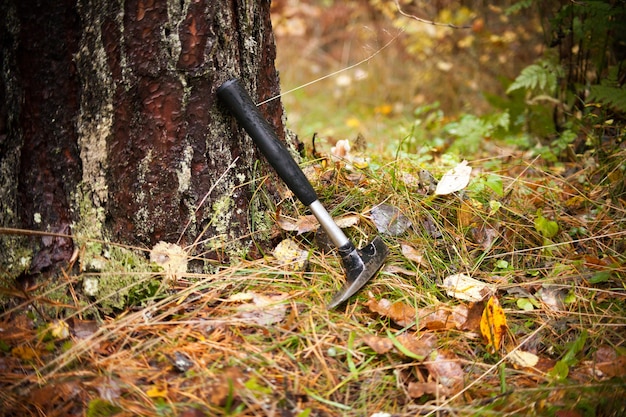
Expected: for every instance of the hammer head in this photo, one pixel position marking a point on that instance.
(360, 265)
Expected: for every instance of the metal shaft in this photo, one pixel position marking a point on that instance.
(333, 231)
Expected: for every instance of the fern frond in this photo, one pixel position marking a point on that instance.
(540, 77)
(613, 97)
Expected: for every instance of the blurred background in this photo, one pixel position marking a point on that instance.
(409, 64)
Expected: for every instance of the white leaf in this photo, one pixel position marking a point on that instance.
(463, 287)
(454, 180)
(523, 359)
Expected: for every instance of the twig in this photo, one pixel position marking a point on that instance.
(429, 22)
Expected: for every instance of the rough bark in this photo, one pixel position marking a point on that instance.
(110, 129)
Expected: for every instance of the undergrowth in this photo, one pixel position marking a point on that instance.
(549, 238)
(540, 225)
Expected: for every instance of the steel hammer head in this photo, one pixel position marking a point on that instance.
(360, 266)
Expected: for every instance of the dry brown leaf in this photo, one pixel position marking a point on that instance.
(230, 380)
(474, 315)
(83, 329)
(264, 310)
(466, 214)
(444, 366)
(419, 389)
(493, 324)
(413, 254)
(401, 313)
(442, 317)
(309, 223)
(432, 318)
(380, 345)
(609, 363)
(420, 346)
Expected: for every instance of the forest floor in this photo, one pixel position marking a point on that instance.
(503, 294)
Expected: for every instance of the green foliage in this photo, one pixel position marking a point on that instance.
(611, 96)
(561, 368)
(471, 130)
(554, 149)
(547, 228)
(517, 7)
(101, 408)
(540, 78)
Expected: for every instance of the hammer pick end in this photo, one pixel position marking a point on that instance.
(360, 266)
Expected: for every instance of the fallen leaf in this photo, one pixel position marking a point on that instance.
(474, 315)
(609, 363)
(419, 346)
(419, 389)
(288, 253)
(493, 324)
(157, 391)
(466, 214)
(454, 180)
(264, 310)
(347, 221)
(464, 287)
(171, 257)
(445, 368)
(83, 329)
(401, 313)
(380, 345)
(59, 329)
(412, 254)
(309, 223)
(553, 297)
(431, 318)
(389, 220)
(25, 353)
(522, 359)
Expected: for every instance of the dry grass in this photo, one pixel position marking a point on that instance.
(191, 351)
(188, 349)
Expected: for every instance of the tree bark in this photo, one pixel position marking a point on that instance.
(110, 129)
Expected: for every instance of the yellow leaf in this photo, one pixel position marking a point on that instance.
(157, 391)
(493, 324)
(60, 330)
(25, 353)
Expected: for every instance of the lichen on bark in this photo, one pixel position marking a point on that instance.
(141, 138)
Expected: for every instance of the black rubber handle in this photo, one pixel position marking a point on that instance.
(250, 118)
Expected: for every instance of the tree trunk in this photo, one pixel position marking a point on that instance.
(110, 129)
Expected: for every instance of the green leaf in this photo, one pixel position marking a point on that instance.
(547, 228)
(495, 183)
(575, 348)
(560, 371)
(600, 277)
(304, 413)
(525, 304)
